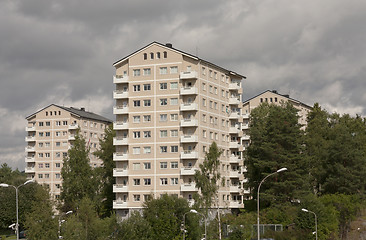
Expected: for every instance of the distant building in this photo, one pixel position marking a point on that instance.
(169, 107)
(50, 133)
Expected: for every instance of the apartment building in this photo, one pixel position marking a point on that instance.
(169, 107)
(272, 97)
(50, 133)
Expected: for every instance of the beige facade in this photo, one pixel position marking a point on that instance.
(169, 107)
(50, 133)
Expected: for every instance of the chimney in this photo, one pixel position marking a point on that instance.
(169, 45)
(274, 91)
(82, 109)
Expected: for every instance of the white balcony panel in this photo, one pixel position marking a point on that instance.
(235, 189)
(234, 101)
(29, 159)
(244, 126)
(73, 126)
(234, 159)
(234, 115)
(120, 125)
(234, 145)
(30, 149)
(117, 188)
(30, 129)
(120, 79)
(120, 156)
(29, 170)
(71, 137)
(189, 123)
(245, 137)
(246, 191)
(233, 204)
(188, 187)
(120, 110)
(234, 130)
(188, 75)
(234, 174)
(234, 86)
(120, 141)
(30, 138)
(188, 91)
(120, 94)
(120, 172)
(189, 107)
(186, 171)
(189, 139)
(189, 155)
(245, 116)
(119, 204)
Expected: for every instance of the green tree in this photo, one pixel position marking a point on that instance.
(105, 153)
(40, 221)
(77, 175)
(134, 228)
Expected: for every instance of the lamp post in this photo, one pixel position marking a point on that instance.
(16, 201)
(184, 222)
(60, 222)
(259, 187)
(316, 222)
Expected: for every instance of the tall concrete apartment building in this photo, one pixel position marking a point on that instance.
(50, 133)
(169, 107)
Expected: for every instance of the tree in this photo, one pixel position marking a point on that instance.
(135, 227)
(40, 221)
(105, 153)
(77, 174)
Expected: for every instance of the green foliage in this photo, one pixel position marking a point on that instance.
(39, 220)
(135, 228)
(105, 173)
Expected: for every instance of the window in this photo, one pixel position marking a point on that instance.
(174, 117)
(165, 54)
(147, 165)
(47, 155)
(147, 71)
(158, 55)
(173, 85)
(48, 124)
(147, 181)
(136, 150)
(173, 148)
(174, 181)
(145, 56)
(40, 175)
(163, 133)
(136, 119)
(163, 70)
(136, 72)
(163, 181)
(210, 88)
(58, 133)
(163, 165)
(203, 71)
(210, 104)
(136, 166)
(40, 134)
(57, 185)
(163, 86)
(204, 133)
(147, 87)
(58, 123)
(40, 165)
(57, 165)
(47, 165)
(163, 117)
(147, 118)
(136, 181)
(204, 102)
(58, 154)
(40, 124)
(41, 144)
(136, 103)
(147, 134)
(147, 150)
(136, 88)
(204, 117)
(204, 86)
(136, 197)
(174, 101)
(47, 144)
(215, 75)
(215, 90)
(40, 155)
(163, 149)
(64, 154)
(64, 123)
(174, 69)
(147, 103)
(47, 175)
(174, 133)
(151, 55)
(174, 165)
(136, 134)
(210, 72)
(48, 134)
(58, 175)
(211, 135)
(163, 101)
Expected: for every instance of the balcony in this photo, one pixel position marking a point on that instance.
(234, 115)
(29, 170)
(234, 145)
(234, 86)
(30, 138)
(244, 126)
(189, 155)
(189, 107)
(118, 94)
(119, 204)
(71, 137)
(234, 130)
(30, 129)
(187, 171)
(234, 159)
(119, 156)
(235, 189)
(234, 174)
(234, 204)
(29, 159)
(245, 116)
(120, 172)
(30, 149)
(117, 188)
(189, 123)
(189, 139)
(120, 125)
(234, 101)
(120, 79)
(73, 126)
(120, 141)
(120, 109)
(188, 187)
(188, 91)
(245, 137)
(188, 75)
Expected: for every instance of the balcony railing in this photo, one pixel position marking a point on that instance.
(120, 79)
(120, 125)
(189, 107)
(188, 75)
(235, 189)
(119, 204)
(234, 145)
(188, 187)
(189, 155)
(120, 172)
(120, 109)
(188, 91)
(71, 137)
(30, 159)
(119, 156)
(234, 115)
(234, 159)
(234, 101)
(73, 126)
(245, 137)
(119, 94)
(189, 122)
(187, 171)
(234, 86)
(120, 141)
(234, 130)
(30, 149)
(30, 138)
(119, 188)
(30, 128)
(189, 139)
(29, 170)
(235, 174)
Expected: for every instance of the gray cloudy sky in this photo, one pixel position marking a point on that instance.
(62, 52)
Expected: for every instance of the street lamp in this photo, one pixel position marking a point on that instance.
(316, 222)
(259, 187)
(16, 201)
(184, 222)
(60, 222)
